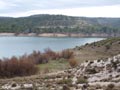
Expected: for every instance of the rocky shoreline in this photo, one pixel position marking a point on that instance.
(90, 75)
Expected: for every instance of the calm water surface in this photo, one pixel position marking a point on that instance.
(17, 46)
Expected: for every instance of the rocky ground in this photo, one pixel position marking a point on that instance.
(90, 75)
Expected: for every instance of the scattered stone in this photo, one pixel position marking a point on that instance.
(65, 87)
(91, 75)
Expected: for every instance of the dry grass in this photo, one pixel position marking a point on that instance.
(54, 65)
(98, 50)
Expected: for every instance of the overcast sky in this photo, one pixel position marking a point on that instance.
(87, 8)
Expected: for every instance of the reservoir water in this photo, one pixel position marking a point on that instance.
(17, 46)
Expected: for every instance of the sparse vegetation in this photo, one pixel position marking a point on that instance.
(27, 64)
(65, 81)
(107, 48)
(81, 80)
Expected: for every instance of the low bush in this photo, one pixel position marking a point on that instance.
(73, 63)
(66, 54)
(51, 54)
(40, 58)
(17, 67)
(26, 64)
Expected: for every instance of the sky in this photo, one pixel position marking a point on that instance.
(85, 8)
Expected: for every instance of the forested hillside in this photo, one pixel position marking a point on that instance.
(60, 24)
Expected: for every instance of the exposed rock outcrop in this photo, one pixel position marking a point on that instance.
(90, 75)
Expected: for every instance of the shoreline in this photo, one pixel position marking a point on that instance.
(80, 35)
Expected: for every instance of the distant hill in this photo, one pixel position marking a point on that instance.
(61, 24)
